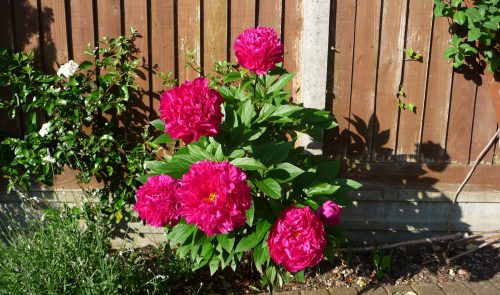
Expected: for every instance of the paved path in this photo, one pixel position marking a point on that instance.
(490, 287)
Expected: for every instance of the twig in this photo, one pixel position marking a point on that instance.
(485, 244)
(469, 175)
(406, 243)
(485, 235)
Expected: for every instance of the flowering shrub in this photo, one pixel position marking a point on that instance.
(82, 107)
(245, 184)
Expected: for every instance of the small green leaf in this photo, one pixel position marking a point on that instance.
(164, 138)
(158, 124)
(248, 164)
(250, 241)
(321, 189)
(282, 81)
(460, 17)
(473, 14)
(270, 187)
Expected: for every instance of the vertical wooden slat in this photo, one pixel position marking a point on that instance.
(364, 78)
(188, 17)
(461, 117)
(55, 48)
(215, 32)
(484, 123)
(136, 16)
(433, 142)
(293, 27)
(7, 126)
(270, 14)
(242, 17)
(418, 38)
(345, 14)
(82, 28)
(162, 43)
(109, 18)
(389, 78)
(26, 27)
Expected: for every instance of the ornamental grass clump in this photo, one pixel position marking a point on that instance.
(247, 190)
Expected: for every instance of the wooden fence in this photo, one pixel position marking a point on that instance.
(453, 120)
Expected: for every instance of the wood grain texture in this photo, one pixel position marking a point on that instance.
(214, 32)
(109, 18)
(390, 68)
(270, 14)
(242, 17)
(418, 38)
(363, 121)
(82, 29)
(7, 126)
(435, 124)
(461, 118)
(188, 17)
(292, 30)
(343, 51)
(163, 45)
(55, 48)
(484, 124)
(136, 16)
(26, 29)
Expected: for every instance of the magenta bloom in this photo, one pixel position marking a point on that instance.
(191, 110)
(297, 239)
(215, 197)
(329, 213)
(157, 201)
(258, 50)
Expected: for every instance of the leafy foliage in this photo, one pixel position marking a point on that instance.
(475, 30)
(258, 134)
(83, 114)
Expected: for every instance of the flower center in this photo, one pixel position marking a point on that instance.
(295, 233)
(211, 197)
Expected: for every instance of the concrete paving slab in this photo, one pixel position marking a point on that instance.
(455, 288)
(373, 291)
(495, 282)
(343, 291)
(315, 292)
(483, 288)
(428, 289)
(403, 290)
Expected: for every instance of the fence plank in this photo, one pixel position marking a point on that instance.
(292, 31)
(270, 14)
(163, 45)
(82, 29)
(461, 117)
(27, 37)
(55, 48)
(433, 142)
(389, 78)
(366, 48)
(242, 17)
(7, 126)
(343, 51)
(136, 16)
(188, 17)
(214, 32)
(418, 38)
(109, 18)
(484, 123)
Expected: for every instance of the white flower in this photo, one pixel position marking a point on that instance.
(44, 130)
(68, 69)
(49, 159)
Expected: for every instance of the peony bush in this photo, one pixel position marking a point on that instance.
(241, 187)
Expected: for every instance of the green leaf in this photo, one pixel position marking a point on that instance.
(272, 153)
(260, 256)
(285, 172)
(226, 242)
(282, 82)
(247, 112)
(214, 265)
(198, 152)
(321, 189)
(473, 14)
(156, 166)
(456, 3)
(492, 25)
(230, 77)
(460, 17)
(248, 164)
(158, 124)
(250, 214)
(180, 233)
(439, 8)
(327, 170)
(299, 276)
(84, 65)
(270, 187)
(164, 138)
(286, 110)
(450, 52)
(409, 52)
(253, 239)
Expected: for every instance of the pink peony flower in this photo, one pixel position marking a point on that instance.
(215, 196)
(191, 110)
(258, 50)
(157, 201)
(329, 213)
(297, 239)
